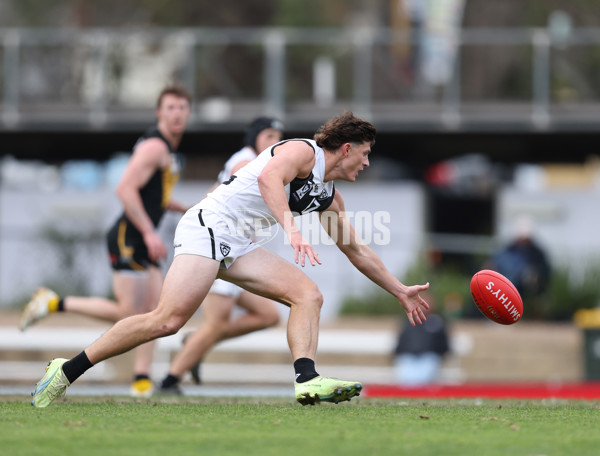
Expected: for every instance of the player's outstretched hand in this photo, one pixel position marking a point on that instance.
(303, 248)
(414, 305)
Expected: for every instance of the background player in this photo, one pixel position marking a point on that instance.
(134, 246)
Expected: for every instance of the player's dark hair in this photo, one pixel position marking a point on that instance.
(174, 89)
(342, 129)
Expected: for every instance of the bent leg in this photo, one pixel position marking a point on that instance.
(130, 291)
(261, 313)
(185, 287)
(268, 275)
(94, 307)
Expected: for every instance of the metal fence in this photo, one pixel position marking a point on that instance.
(522, 78)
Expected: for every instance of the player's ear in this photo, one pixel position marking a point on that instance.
(346, 149)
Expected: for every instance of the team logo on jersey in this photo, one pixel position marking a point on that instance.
(324, 195)
(225, 249)
(311, 189)
(303, 190)
(316, 189)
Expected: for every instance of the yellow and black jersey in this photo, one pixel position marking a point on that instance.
(157, 192)
(125, 243)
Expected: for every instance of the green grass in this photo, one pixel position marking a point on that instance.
(245, 426)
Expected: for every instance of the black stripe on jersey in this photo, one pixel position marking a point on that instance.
(288, 140)
(210, 232)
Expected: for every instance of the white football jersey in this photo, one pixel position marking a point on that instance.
(239, 200)
(243, 155)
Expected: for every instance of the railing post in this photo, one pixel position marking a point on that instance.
(98, 114)
(451, 117)
(189, 41)
(363, 44)
(12, 44)
(274, 89)
(541, 78)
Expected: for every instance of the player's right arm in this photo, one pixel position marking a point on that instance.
(147, 157)
(292, 159)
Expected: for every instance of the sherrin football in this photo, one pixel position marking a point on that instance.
(496, 297)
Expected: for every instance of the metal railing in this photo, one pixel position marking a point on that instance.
(107, 78)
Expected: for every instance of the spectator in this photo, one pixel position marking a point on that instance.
(526, 265)
(420, 350)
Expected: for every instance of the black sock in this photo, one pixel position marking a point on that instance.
(305, 370)
(61, 305)
(169, 381)
(137, 377)
(75, 367)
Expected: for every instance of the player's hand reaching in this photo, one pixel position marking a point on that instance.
(303, 248)
(414, 305)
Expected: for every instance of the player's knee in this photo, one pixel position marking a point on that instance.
(312, 297)
(318, 299)
(168, 329)
(170, 325)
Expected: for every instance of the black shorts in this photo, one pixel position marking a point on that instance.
(126, 248)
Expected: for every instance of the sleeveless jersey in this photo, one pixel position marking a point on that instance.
(239, 201)
(126, 246)
(157, 192)
(242, 155)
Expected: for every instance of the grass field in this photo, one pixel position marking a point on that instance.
(248, 426)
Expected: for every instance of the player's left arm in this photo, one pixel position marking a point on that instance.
(366, 261)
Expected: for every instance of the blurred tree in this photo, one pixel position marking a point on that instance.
(332, 13)
(117, 13)
(529, 13)
(169, 13)
(296, 13)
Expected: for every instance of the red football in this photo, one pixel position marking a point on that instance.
(496, 297)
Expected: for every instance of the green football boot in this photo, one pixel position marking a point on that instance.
(52, 385)
(326, 389)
